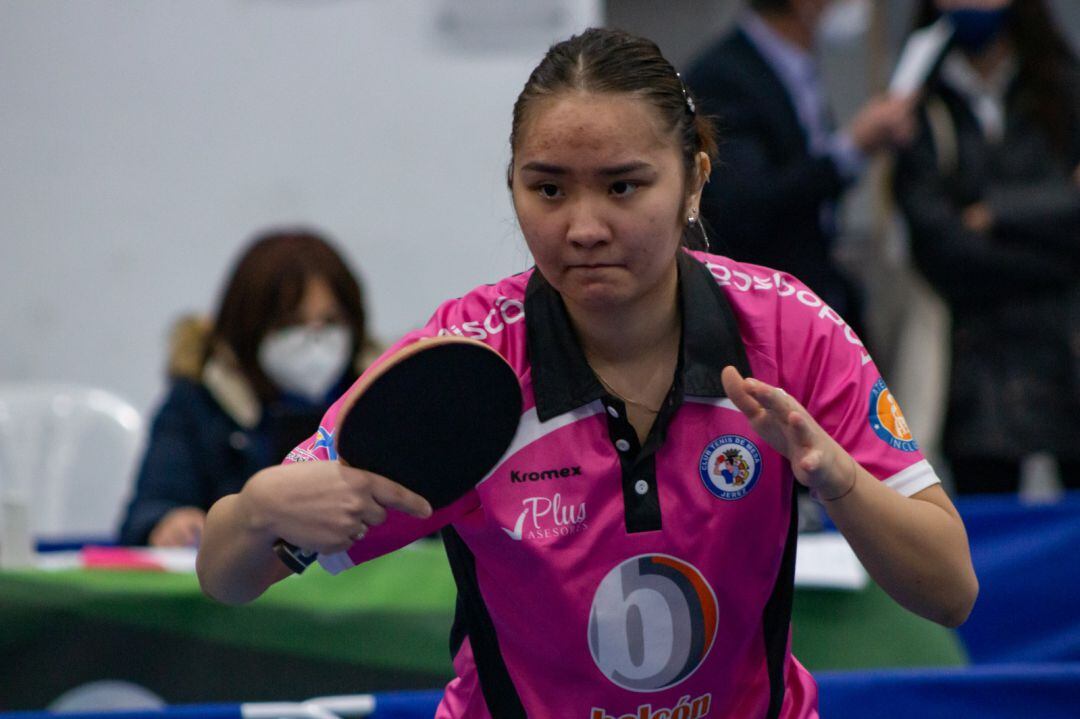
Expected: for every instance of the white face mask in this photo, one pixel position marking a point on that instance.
(845, 22)
(306, 361)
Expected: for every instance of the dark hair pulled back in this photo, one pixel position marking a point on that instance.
(602, 60)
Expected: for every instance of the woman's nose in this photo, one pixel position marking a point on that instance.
(587, 226)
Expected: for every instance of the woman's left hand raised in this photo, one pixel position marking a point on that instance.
(818, 461)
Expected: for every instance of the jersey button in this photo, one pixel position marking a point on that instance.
(613, 412)
(622, 445)
(641, 486)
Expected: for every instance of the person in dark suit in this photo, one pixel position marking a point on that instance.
(783, 166)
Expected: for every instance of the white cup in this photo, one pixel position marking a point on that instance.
(16, 544)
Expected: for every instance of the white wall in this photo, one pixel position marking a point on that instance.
(143, 141)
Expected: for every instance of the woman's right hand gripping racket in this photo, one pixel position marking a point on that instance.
(435, 417)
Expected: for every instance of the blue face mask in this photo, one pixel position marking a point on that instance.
(974, 28)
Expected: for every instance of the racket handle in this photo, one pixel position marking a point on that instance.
(293, 557)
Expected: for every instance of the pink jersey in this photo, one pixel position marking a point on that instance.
(604, 578)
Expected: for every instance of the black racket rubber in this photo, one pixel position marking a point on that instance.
(436, 422)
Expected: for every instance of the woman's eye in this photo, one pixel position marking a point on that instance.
(623, 188)
(548, 190)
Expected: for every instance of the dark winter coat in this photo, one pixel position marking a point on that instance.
(1014, 291)
(210, 434)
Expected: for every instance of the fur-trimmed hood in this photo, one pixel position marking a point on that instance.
(217, 370)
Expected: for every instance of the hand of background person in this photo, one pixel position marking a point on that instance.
(1076, 176)
(818, 461)
(978, 217)
(324, 506)
(180, 527)
(885, 121)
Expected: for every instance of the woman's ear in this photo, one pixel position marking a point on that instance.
(702, 169)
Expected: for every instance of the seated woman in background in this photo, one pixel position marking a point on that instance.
(289, 337)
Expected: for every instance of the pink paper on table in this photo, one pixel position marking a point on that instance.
(94, 557)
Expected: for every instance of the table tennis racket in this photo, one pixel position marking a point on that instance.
(434, 417)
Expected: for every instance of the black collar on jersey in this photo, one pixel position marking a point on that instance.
(562, 379)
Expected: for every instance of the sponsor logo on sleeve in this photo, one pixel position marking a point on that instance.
(888, 421)
(776, 282)
(652, 623)
(301, 454)
(325, 440)
(506, 312)
(730, 466)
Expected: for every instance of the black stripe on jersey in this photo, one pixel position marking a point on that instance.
(471, 618)
(638, 463)
(776, 620)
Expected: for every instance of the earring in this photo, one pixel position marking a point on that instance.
(692, 222)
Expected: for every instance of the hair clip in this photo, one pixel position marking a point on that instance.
(686, 95)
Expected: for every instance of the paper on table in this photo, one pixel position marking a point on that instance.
(157, 559)
(920, 55)
(825, 560)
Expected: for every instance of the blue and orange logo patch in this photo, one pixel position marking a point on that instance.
(888, 421)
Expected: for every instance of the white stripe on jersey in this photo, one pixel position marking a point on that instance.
(714, 401)
(531, 429)
(914, 478)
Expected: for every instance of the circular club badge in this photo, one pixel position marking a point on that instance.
(730, 466)
(888, 421)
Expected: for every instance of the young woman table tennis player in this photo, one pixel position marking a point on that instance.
(633, 552)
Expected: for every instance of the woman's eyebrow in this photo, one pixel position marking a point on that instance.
(621, 169)
(624, 168)
(544, 168)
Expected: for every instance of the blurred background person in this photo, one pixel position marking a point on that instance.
(289, 336)
(783, 165)
(990, 190)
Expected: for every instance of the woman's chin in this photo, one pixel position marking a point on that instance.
(597, 298)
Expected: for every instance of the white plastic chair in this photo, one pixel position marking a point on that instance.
(67, 455)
